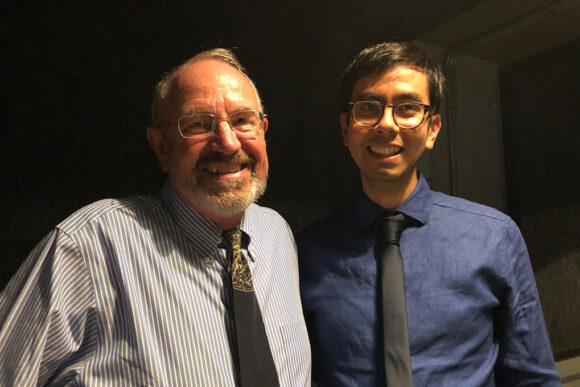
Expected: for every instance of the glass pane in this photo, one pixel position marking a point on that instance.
(409, 114)
(195, 124)
(245, 121)
(367, 111)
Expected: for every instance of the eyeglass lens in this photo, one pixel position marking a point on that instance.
(406, 115)
(246, 122)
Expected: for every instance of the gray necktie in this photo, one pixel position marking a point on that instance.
(395, 329)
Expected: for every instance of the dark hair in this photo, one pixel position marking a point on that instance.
(384, 56)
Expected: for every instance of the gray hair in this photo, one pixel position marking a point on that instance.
(163, 87)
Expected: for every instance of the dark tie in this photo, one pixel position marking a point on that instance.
(256, 364)
(395, 329)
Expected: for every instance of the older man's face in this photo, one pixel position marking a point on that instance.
(219, 175)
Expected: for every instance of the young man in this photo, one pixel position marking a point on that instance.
(469, 298)
(198, 287)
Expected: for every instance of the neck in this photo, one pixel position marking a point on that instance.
(392, 193)
(225, 222)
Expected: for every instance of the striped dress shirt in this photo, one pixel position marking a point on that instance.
(135, 292)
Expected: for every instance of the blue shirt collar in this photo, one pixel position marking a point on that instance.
(417, 205)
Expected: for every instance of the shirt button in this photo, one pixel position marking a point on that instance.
(206, 259)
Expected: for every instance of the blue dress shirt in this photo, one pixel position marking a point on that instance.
(136, 292)
(473, 309)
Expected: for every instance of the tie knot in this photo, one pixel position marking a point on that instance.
(233, 237)
(390, 227)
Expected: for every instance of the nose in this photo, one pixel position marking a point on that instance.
(387, 123)
(225, 139)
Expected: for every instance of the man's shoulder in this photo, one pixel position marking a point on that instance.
(102, 210)
(326, 230)
(265, 212)
(468, 208)
(267, 227)
(265, 218)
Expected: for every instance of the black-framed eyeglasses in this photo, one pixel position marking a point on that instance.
(406, 115)
(245, 123)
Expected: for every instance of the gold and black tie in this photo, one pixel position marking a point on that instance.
(256, 365)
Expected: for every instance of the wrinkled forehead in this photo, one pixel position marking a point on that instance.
(210, 78)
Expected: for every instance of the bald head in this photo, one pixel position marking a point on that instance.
(169, 82)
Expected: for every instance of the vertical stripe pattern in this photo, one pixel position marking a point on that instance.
(132, 292)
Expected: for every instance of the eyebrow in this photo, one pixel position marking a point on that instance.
(205, 111)
(192, 111)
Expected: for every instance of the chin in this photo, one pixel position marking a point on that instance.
(230, 199)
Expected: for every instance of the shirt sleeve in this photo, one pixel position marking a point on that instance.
(46, 315)
(525, 355)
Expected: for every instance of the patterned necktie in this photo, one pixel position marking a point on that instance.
(256, 365)
(395, 330)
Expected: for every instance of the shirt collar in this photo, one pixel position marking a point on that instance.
(417, 205)
(204, 234)
(246, 223)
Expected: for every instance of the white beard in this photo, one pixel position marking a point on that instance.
(230, 200)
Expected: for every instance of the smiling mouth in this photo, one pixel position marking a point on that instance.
(224, 169)
(386, 151)
(220, 164)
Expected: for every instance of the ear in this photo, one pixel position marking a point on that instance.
(343, 118)
(433, 131)
(157, 141)
(265, 126)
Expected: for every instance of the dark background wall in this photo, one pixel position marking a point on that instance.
(77, 78)
(541, 117)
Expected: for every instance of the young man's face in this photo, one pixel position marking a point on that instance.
(385, 154)
(222, 174)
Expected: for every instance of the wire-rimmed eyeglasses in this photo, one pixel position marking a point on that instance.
(406, 115)
(245, 123)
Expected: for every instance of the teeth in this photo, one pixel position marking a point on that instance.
(385, 150)
(224, 169)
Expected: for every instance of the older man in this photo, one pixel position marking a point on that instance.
(197, 287)
(456, 304)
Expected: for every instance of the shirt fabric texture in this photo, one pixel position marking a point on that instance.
(135, 292)
(473, 309)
